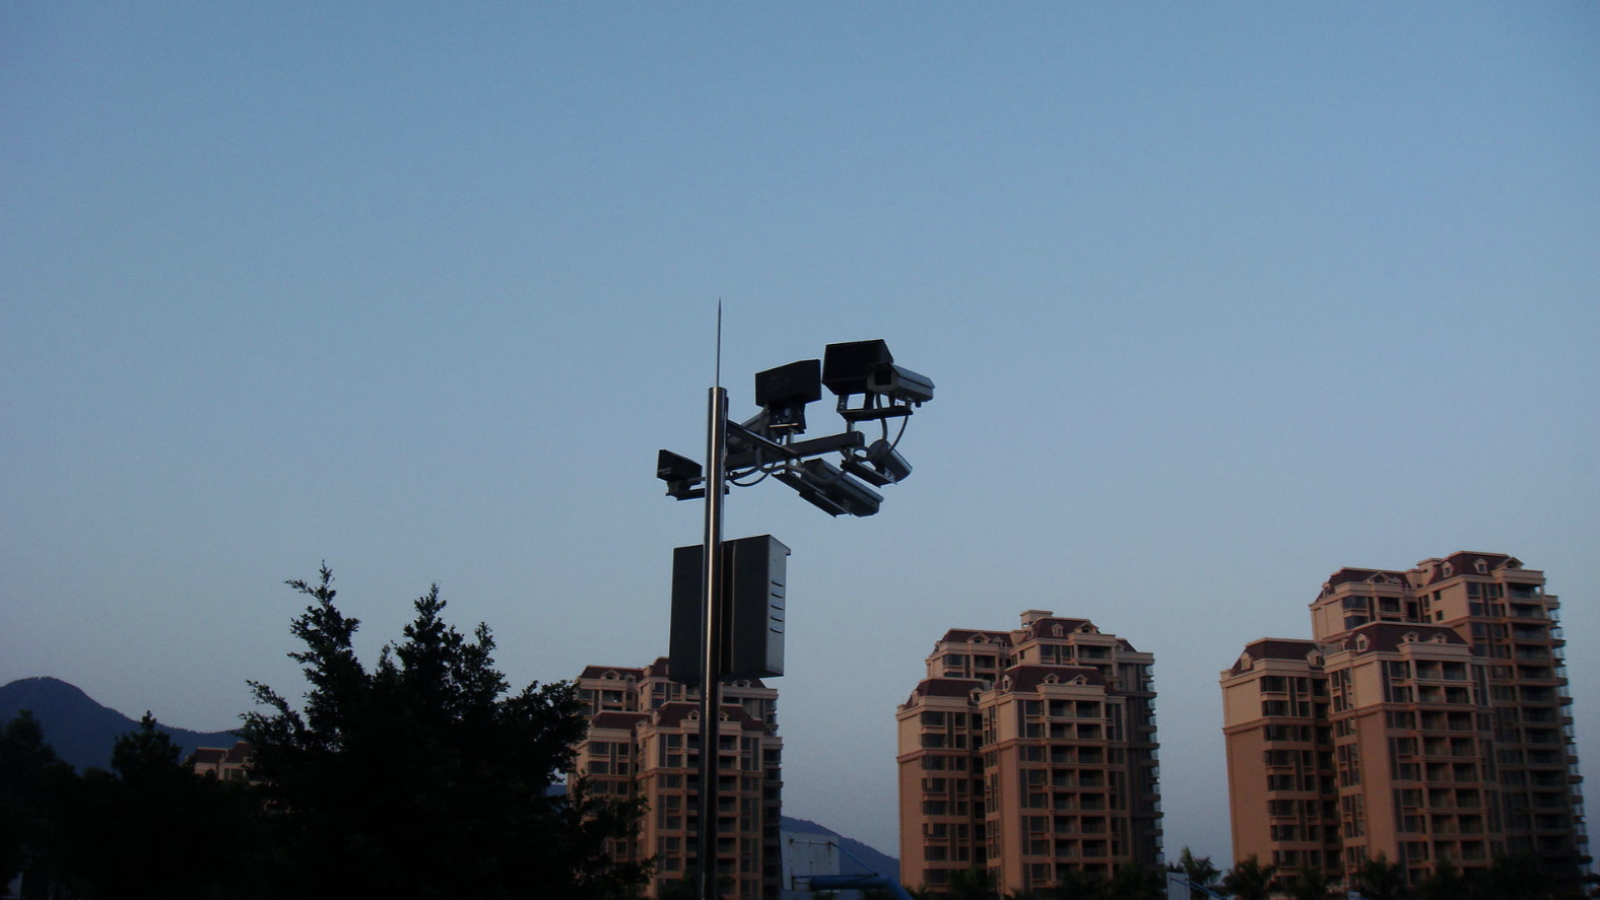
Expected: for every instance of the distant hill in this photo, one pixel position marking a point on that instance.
(869, 860)
(81, 731)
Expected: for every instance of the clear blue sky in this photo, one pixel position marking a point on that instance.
(1219, 298)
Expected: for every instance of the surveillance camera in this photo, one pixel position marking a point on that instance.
(672, 467)
(784, 392)
(880, 465)
(830, 490)
(846, 367)
(900, 383)
(681, 474)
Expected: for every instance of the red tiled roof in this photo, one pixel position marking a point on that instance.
(1349, 574)
(600, 671)
(946, 687)
(1280, 648)
(673, 715)
(621, 720)
(1066, 623)
(963, 635)
(1029, 678)
(1464, 562)
(1274, 648)
(1388, 636)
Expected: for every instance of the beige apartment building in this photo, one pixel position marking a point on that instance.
(644, 741)
(1028, 753)
(224, 764)
(1427, 719)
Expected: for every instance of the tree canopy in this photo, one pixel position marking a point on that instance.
(1199, 871)
(1250, 880)
(425, 776)
(1380, 879)
(146, 829)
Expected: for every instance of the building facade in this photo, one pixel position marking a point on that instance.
(644, 741)
(1029, 753)
(1428, 719)
(224, 764)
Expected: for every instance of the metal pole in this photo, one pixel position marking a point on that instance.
(711, 658)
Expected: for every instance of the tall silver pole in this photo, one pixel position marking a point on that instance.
(711, 659)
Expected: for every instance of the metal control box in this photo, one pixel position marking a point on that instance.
(753, 597)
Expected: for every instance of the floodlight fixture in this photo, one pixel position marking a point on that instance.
(783, 393)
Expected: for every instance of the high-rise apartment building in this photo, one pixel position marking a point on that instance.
(1427, 719)
(1029, 753)
(644, 741)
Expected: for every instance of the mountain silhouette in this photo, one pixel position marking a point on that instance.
(858, 858)
(80, 730)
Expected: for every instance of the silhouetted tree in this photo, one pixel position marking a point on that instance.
(1445, 882)
(1132, 881)
(1380, 879)
(1519, 877)
(1312, 884)
(971, 884)
(150, 829)
(424, 777)
(32, 781)
(1076, 884)
(1198, 871)
(1249, 879)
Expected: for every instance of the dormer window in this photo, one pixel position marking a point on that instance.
(1361, 643)
(1481, 567)
(1409, 637)
(1447, 570)
(1052, 678)
(1057, 630)
(1438, 639)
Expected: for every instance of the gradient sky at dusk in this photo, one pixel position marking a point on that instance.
(1218, 298)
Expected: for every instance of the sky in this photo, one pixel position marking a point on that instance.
(1218, 299)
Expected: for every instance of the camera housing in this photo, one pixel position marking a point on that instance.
(846, 368)
(880, 465)
(783, 393)
(682, 475)
(828, 488)
(900, 383)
